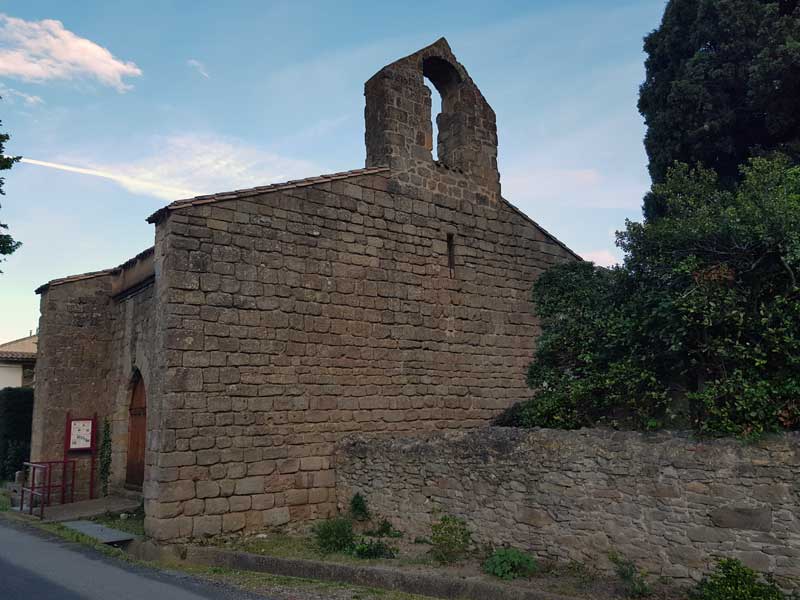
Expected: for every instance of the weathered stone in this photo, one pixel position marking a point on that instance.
(276, 517)
(175, 491)
(250, 485)
(663, 501)
(207, 489)
(533, 517)
(206, 525)
(233, 522)
(742, 517)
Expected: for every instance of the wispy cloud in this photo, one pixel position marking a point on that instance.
(199, 67)
(576, 187)
(603, 258)
(11, 94)
(45, 50)
(191, 165)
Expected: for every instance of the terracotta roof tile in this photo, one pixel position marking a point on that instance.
(92, 274)
(17, 356)
(23, 349)
(255, 191)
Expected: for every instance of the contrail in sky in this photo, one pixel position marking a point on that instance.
(129, 182)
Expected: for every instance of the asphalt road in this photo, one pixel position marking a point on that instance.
(36, 566)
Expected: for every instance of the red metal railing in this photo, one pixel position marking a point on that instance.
(39, 484)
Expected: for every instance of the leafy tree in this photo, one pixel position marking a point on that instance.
(7, 243)
(722, 85)
(700, 325)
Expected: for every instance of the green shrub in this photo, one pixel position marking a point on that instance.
(510, 563)
(421, 540)
(731, 580)
(633, 580)
(450, 539)
(16, 416)
(358, 508)
(335, 535)
(17, 452)
(384, 529)
(700, 327)
(373, 549)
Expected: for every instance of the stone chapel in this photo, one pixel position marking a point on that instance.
(265, 324)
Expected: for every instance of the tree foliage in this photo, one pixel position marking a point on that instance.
(700, 325)
(16, 416)
(7, 243)
(722, 86)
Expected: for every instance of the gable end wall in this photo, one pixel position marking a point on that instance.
(294, 318)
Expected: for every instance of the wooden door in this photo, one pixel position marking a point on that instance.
(137, 434)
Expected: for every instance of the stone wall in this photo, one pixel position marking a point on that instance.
(296, 316)
(668, 502)
(73, 367)
(133, 354)
(90, 346)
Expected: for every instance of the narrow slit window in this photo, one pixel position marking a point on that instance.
(451, 253)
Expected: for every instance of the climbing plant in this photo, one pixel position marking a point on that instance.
(104, 468)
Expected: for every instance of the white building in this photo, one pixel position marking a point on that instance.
(17, 360)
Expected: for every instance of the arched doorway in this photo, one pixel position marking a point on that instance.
(137, 435)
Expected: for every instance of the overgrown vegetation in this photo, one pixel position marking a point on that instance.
(338, 534)
(384, 529)
(358, 508)
(335, 535)
(450, 539)
(16, 415)
(700, 326)
(731, 580)
(722, 86)
(633, 580)
(367, 548)
(510, 563)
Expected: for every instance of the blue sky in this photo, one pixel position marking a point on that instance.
(150, 102)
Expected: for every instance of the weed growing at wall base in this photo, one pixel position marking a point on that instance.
(450, 539)
(510, 563)
(731, 580)
(334, 535)
(358, 508)
(366, 548)
(384, 529)
(633, 580)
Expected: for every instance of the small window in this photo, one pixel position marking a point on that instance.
(451, 254)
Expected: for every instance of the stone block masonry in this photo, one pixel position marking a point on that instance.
(298, 316)
(670, 503)
(268, 323)
(93, 338)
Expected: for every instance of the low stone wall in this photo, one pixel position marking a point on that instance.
(671, 503)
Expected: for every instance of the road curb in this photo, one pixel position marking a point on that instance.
(438, 586)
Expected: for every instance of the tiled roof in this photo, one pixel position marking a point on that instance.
(275, 187)
(19, 350)
(71, 278)
(92, 274)
(17, 356)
